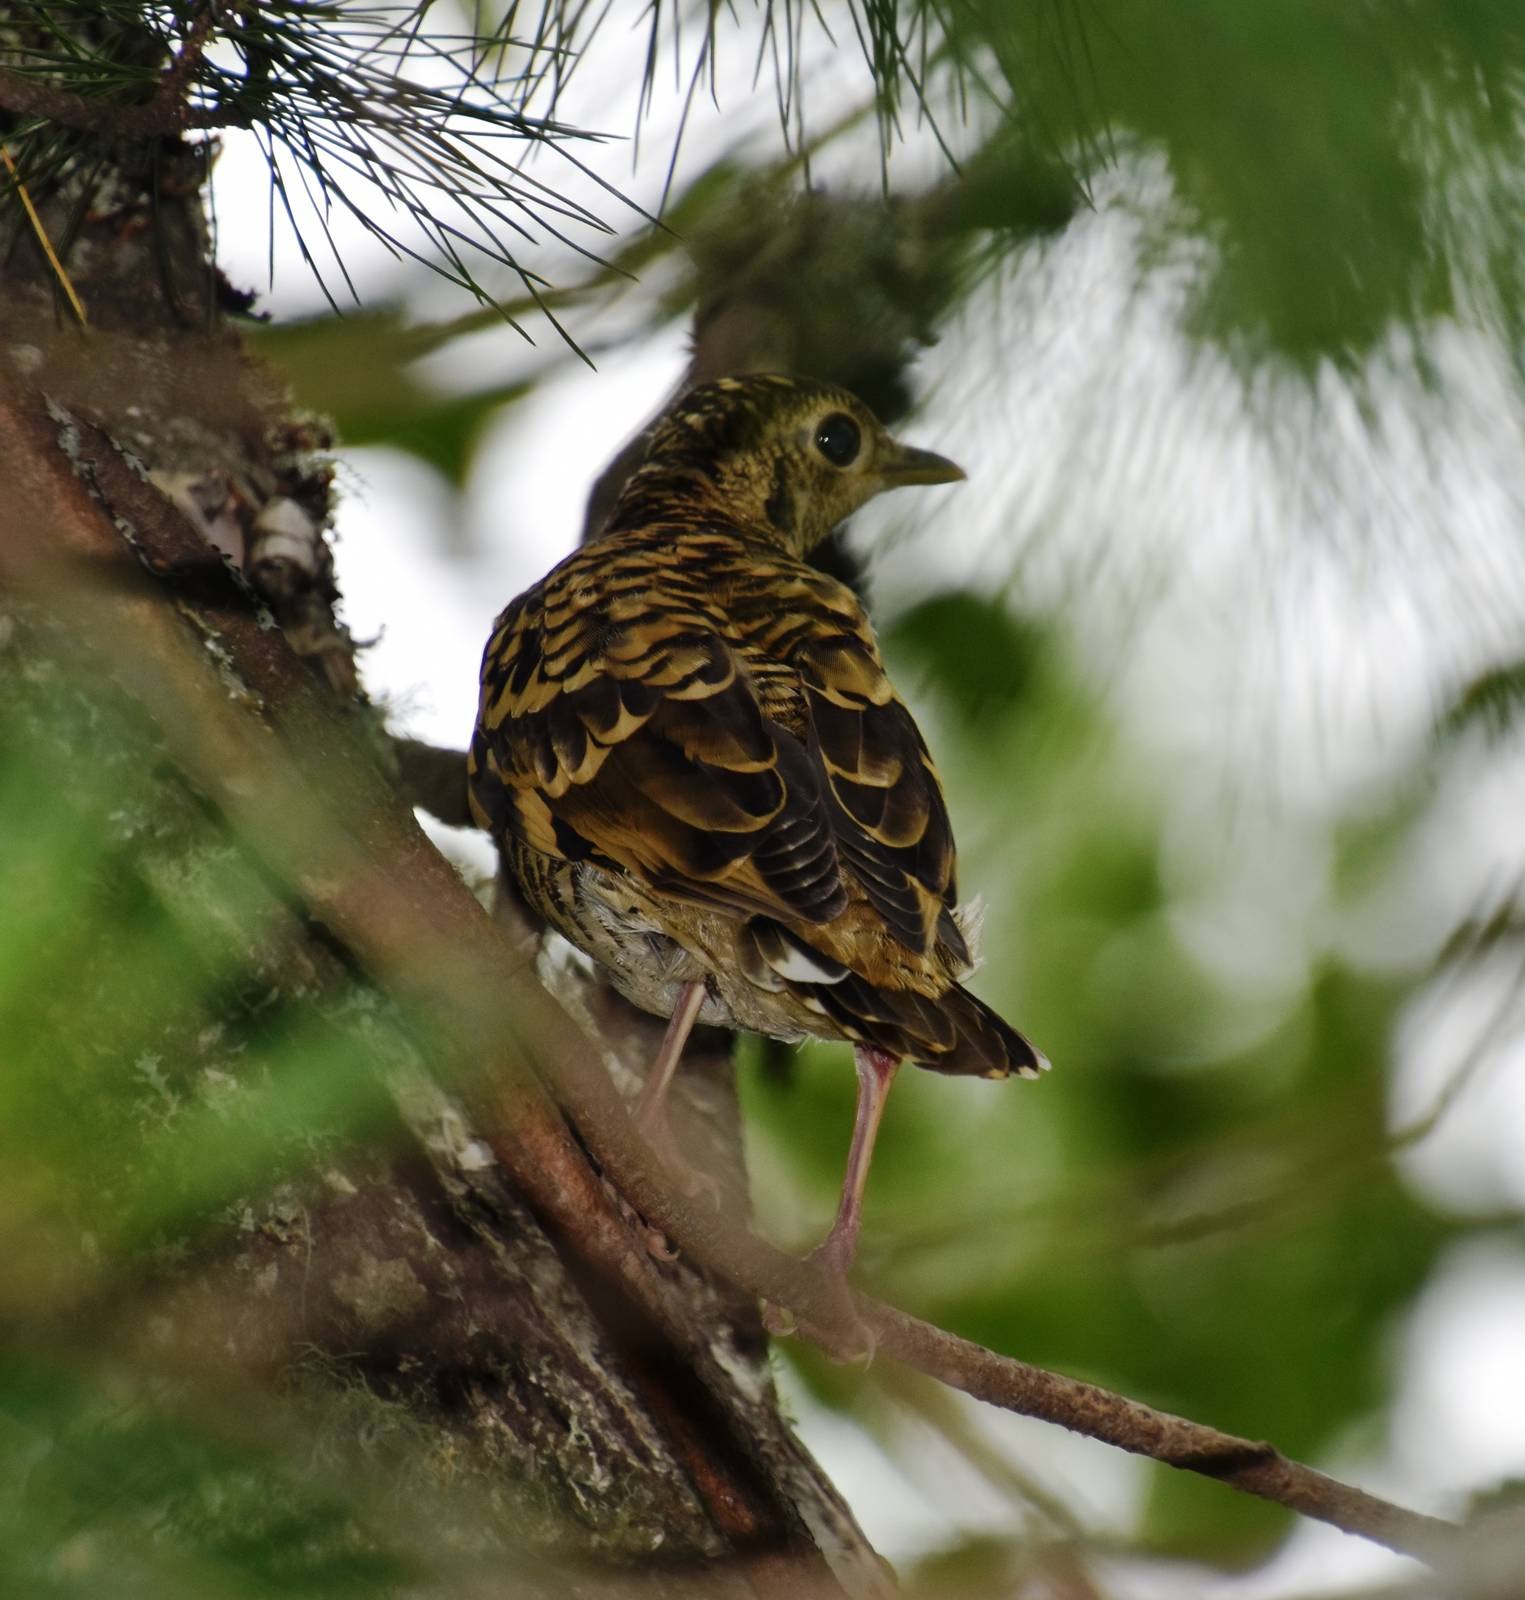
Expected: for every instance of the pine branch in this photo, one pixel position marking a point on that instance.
(338, 96)
(27, 96)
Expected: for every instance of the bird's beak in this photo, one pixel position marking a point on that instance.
(902, 464)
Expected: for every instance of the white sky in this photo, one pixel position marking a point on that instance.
(1273, 662)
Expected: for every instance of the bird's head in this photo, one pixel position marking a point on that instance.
(786, 458)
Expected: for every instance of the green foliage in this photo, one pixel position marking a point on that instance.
(1351, 167)
(169, 1061)
(142, 991)
(1337, 170)
(985, 658)
(358, 372)
(106, 1498)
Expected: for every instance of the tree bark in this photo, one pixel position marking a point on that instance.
(162, 501)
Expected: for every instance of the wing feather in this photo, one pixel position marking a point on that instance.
(731, 737)
(641, 743)
(888, 810)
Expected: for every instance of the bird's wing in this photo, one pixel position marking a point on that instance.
(618, 724)
(884, 796)
(737, 748)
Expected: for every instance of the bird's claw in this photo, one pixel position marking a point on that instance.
(696, 1182)
(779, 1320)
(692, 1180)
(843, 1336)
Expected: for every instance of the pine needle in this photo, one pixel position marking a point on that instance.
(75, 303)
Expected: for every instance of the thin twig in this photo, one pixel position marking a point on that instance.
(26, 96)
(1251, 1466)
(175, 82)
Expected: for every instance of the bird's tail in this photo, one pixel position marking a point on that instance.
(986, 1044)
(954, 1033)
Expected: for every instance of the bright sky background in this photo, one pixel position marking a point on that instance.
(1273, 662)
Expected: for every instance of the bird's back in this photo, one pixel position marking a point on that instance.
(687, 738)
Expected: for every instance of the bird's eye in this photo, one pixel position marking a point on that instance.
(838, 439)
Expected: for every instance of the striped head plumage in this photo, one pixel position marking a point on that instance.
(787, 459)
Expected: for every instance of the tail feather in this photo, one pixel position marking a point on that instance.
(955, 1033)
(987, 1044)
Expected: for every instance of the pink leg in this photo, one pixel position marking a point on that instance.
(651, 1112)
(876, 1072)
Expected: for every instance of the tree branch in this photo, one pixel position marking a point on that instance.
(1251, 1466)
(724, 1243)
(175, 81)
(165, 114)
(26, 96)
(333, 828)
(435, 779)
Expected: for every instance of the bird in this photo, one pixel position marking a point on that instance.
(698, 771)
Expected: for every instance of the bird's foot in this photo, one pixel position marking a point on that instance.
(693, 1181)
(840, 1332)
(658, 1245)
(779, 1320)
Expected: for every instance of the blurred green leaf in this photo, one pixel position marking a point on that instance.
(358, 372)
(1494, 701)
(1317, 149)
(442, 432)
(977, 651)
(117, 1498)
(164, 1055)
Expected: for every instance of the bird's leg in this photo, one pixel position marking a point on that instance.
(854, 1341)
(651, 1112)
(876, 1072)
(652, 1109)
